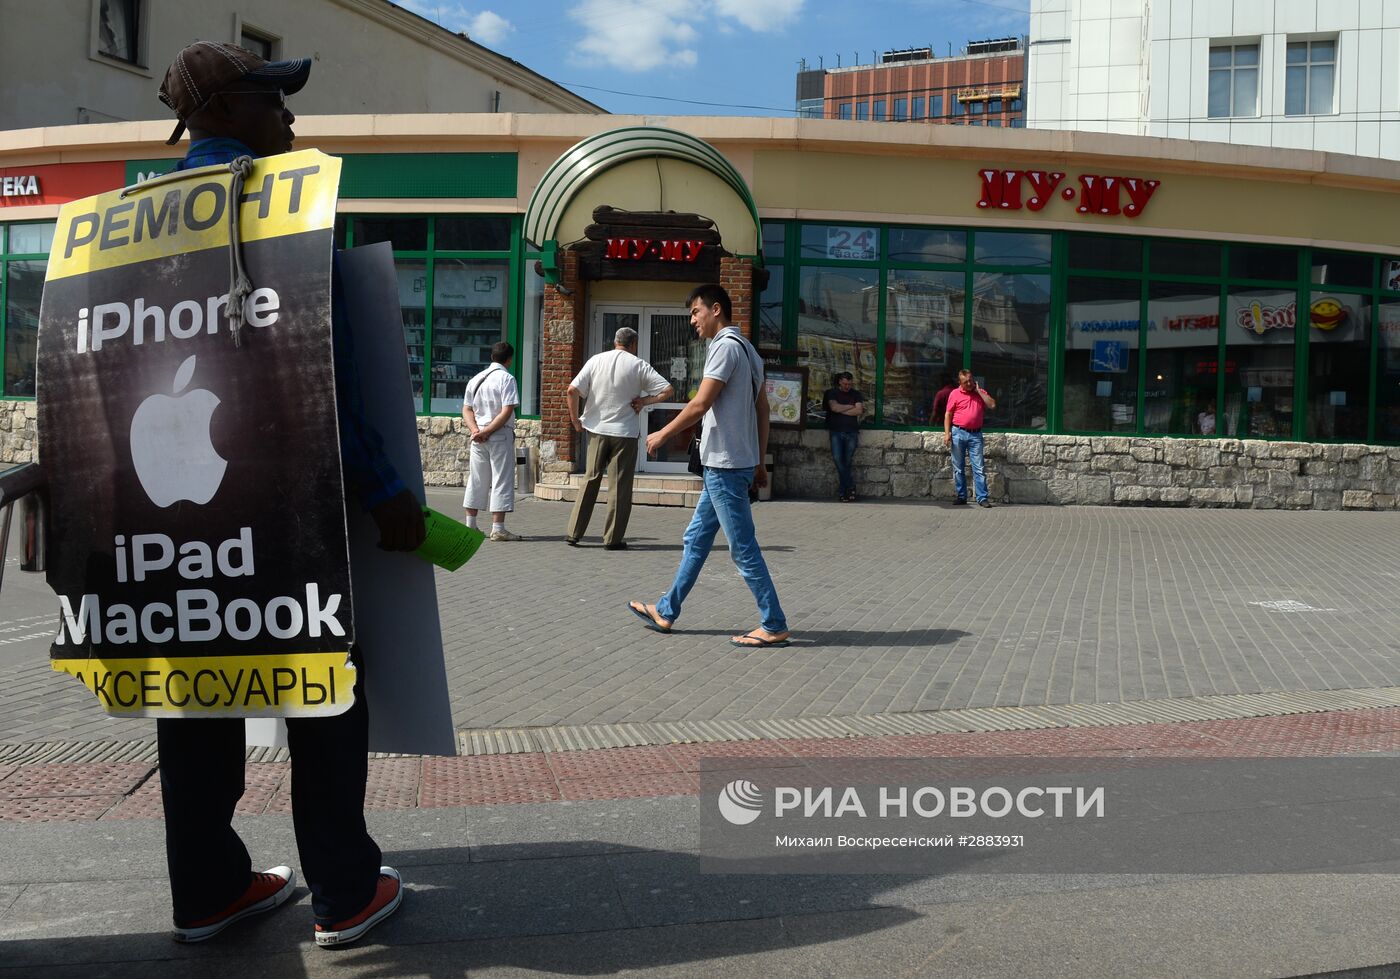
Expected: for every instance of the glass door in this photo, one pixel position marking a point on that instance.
(604, 324)
(667, 342)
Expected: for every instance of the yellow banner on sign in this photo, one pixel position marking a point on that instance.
(298, 684)
(189, 212)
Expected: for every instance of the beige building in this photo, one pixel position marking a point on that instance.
(1160, 321)
(87, 61)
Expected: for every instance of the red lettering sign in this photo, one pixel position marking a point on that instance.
(1100, 195)
(635, 249)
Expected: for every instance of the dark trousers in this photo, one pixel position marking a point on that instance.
(201, 781)
(843, 453)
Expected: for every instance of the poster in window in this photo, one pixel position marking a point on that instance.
(1392, 275)
(857, 244)
(786, 388)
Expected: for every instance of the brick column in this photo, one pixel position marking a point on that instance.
(736, 275)
(561, 355)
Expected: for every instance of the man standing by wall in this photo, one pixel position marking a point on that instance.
(492, 394)
(962, 433)
(845, 407)
(615, 385)
(734, 406)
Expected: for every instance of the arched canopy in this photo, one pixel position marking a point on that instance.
(593, 156)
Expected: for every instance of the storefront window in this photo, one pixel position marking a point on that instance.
(923, 341)
(837, 319)
(1343, 269)
(31, 239)
(928, 246)
(528, 358)
(1339, 346)
(1388, 372)
(413, 299)
(1184, 258)
(471, 233)
(24, 282)
(405, 234)
(1011, 346)
(841, 242)
(1105, 253)
(1276, 264)
(1260, 325)
(469, 315)
(770, 309)
(1012, 248)
(774, 239)
(1183, 334)
(1101, 349)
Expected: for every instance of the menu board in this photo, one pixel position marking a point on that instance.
(786, 388)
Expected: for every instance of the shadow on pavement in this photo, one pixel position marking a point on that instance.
(812, 638)
(575, 908)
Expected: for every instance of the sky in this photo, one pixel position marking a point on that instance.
(712, 57)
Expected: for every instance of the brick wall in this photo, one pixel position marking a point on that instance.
(736, 275)
(561, 355)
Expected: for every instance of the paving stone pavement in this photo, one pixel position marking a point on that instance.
(894, 608)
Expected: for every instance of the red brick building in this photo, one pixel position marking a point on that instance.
(983, 86)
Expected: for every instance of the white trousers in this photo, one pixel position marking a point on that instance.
(491, 476)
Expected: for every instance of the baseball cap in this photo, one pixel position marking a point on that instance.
(206, 68)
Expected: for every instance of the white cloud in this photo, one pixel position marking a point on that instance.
(760, 15)
(639, 35)
(489, 28)
(485, 27)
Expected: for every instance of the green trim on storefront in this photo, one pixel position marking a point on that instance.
(399, 176)
(595, 155)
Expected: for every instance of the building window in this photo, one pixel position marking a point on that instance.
(901, 110)
(935, 106)
(1018, 123)
(975, 108)
(263, 45)
(918, 109)
(23, 261)
(1234, 81)
(994, 105)
(994, 122)
(1311, 78)
(120, 24)
(843, 111)
(809, 109)
(1102, 319)
(837, 327)
(862, 110)
(1017, 105)
(879, 111)
(923, 342)
(956, 105)
(1183, 347)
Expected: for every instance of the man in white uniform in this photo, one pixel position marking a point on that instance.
(615, 385)
(489, 411)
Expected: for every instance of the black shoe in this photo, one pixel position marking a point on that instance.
(960, 502)
(619, 546)
(985, 504)
(571, 541)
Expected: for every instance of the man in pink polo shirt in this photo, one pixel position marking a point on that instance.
(962, 433)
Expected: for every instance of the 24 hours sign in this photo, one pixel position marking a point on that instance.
(197, 540)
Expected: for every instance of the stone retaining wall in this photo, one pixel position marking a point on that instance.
(1069, 469)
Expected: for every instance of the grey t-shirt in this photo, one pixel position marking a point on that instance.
(729, 439)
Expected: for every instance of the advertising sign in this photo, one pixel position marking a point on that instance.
(859, 244)
(198, 539)
(786, 388)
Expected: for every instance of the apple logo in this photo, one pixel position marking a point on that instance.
(170, 445)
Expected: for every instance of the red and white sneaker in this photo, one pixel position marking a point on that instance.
(388, 895)
(267, 890)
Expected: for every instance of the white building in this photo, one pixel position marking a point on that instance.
(90, 61)
(1305, 74)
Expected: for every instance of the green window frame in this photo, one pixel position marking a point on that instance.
(6, 259)
(519, 262)
(1369, 299)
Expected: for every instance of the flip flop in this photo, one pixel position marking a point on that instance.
(759, 642)
(645, 616)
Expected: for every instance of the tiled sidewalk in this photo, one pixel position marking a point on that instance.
(131, 790)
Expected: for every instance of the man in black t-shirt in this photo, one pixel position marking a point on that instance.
(845, 407)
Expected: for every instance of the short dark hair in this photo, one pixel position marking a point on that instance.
(709, 294)
(964, 374)
(844, 376)
(502, 352)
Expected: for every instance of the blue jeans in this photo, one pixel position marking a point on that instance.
(970, 444)
(724, 502)
(843, 452)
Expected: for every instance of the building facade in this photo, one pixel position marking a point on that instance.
(93, 61)
(1160, 321)
(1300, 74)
(984, 86)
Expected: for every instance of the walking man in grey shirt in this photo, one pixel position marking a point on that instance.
(732, 402)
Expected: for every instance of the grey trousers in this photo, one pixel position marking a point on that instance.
(617, 456)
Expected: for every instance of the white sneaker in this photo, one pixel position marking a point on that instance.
(505, 535)
(266, 891)
(388, 895)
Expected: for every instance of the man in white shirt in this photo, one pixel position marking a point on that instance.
(615, 385)
(493, 396)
